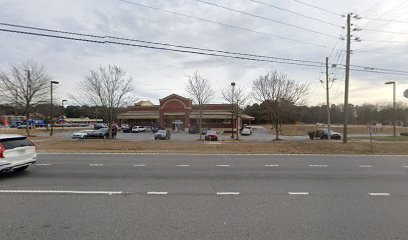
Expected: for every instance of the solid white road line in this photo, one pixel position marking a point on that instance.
(298, 193)
(365, 166)
(271, 165)
(139, 165)
(96, 165)
(227, 193)
(182, 165)
(318, 165)
(43, 164)
(157, 193)
(379, 194)
(62, 192)
(222, 165)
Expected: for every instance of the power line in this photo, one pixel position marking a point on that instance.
(268, 19)
(224, 24)
(316, 7)
(157, 48)
(383, 31)
(311, 64)
(157, 43)
(295, 13)
(384, 20)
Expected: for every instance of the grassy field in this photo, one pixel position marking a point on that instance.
(295, 130)
(279, 147)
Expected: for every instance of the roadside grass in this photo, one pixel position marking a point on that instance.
(279, 147)
(391, 138)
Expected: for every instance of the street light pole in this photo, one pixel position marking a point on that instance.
(393, 106)
(62, 104)
(51, 109)
(232, 110)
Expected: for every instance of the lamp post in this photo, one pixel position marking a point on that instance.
(62, 104)
(232, 109)
(393, 106)
(51, 109)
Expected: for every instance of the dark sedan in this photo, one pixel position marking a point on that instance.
(162, 134)
(323, 134)
(100, 133)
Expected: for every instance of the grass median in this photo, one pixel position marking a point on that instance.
(280, 147)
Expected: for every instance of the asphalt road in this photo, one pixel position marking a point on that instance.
(116, 196)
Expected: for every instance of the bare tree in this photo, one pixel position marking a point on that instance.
(109, 88)
(200, 89)
(277, 94)
(24, 86)
(237, 97)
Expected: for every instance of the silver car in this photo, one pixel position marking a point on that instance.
(16, 152)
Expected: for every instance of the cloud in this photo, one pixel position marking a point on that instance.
(159, 73)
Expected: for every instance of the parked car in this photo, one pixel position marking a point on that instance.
(162, 135)
(246, 131)
(211, 135)
(204, 131)
(16, 152)
(81, 134)
(23, 126)
(100, 125)
(155, 129)
(137, 129)
(100, 133)
(193, 130)
(323, 134)
(126, 129)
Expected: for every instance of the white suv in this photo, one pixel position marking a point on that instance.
(137, 129)
(16, 152)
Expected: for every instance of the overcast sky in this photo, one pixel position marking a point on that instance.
(159, 73)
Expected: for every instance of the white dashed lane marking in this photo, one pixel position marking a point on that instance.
(183, 165)
(43, 164)
(406, 166)
(318, 165)
(271, 165)
(139, 165)
(222, 165)
(298, 193)
(379, 194)
(365, 166)
(227, 193)
(96, 165)
(61, 192)
(157, 193)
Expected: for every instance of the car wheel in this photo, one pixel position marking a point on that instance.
(20, 169)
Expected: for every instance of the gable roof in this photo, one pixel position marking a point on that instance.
(174, 96)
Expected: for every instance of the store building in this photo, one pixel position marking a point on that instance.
(179, 114)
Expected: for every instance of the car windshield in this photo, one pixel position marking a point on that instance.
(210, 132)
(162, 131)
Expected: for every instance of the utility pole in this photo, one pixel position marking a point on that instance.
(346, 88)
(327, 98)
(27, 107)
(232, 109)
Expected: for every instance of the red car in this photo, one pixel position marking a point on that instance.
(211, 136)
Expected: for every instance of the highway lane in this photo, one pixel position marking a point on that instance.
(207, 197)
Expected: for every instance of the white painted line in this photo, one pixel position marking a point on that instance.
(43, 164)
(96, 165)
(318, 165)
(379, 194)
(365, 166)
(139, 165)
(270, 165)
(183, 165)
(61, 192)
(157, 193)
(222, 165)
(227, 193)
(298, 193)
(405, 166)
